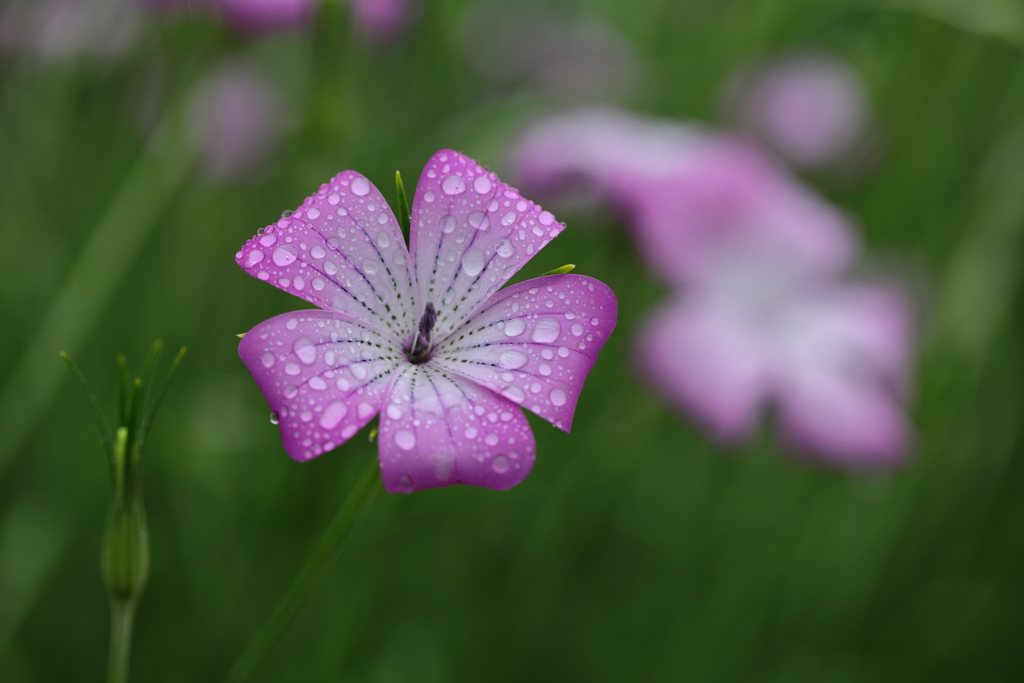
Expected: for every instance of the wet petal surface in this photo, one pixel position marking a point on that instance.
(342, 250)
(470, 234)
(437, 429)
(324, 375)
(535, 342)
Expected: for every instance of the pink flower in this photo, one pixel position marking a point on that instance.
(381, 20)
(809, 107)
(422, 335)
(682, 186)
(759, 329)
(266, 15)
(235, 120)
(761, 312)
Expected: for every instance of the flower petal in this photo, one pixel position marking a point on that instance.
(324, 375)
(439, 429)
(703, 362)
(470, 234)
(343, 251)
(535, 343)
(845, 421)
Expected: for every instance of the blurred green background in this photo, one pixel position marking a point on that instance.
(637, 549)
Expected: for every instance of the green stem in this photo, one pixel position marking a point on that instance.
(359, 498)
(121, 616)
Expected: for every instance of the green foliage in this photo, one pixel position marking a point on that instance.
(637, 549)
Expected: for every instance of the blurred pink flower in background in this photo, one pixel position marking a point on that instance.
(381, 20)
(809, 107)
(761, 311)
(757, 329)
(236, 119)
(63, 29)
(266, 15)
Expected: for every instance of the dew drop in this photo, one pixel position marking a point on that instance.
(333, 414)
(370, 266)
(509, 218)
(546, 331)
(577, 329)
(515, 327)
(313, 213)
(453, 184)
(471, 432)
(544, 369)
(563, 352)
(546, 218)
(383, 240)
(360, 187)
(305, 350)
(274, 418)
(292, 369)
(405, 440)
(268, 240)
(285, 255)
(557, 397)
(448, 224)
(317, 251)
(500, 464)
(491, 439)
(268, 359)
(505, 249)
(429, 196)
(512, 360)
(394, 412)
(359, 372)
(254, 257)
(317, 383)
(473, 262)
(364, 410)
(482, 184)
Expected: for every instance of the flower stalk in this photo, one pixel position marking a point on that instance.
(125, 554)
(359, 498)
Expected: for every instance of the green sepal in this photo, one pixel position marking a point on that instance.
(404, 220)
(105, 437)
(567, 268)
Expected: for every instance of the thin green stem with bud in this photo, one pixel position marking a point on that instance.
(125, 555)
(358, 500)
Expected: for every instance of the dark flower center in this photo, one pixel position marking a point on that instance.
(420, 350)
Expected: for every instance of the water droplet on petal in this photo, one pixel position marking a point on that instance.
(512, 360)
(557, 397)
(285, 255)
(333, 414)
(254, 257)
(482, 184)
(268, 240)
(515, 327)
(317, 251)
(359, 372)
(274, 419)
(405, 439)
(509, 218)
(546, 331)
(505, 249)
(453, 184)
(473, 262)
(317, 383)
(429, 196)
(268, 359)
(471, 432)
(370, 266)
(500, 464)
(394, 412)
(313, 213)
(546, 218)
(448, 224)
(383, 240)
(364, 410)
(361, 187)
